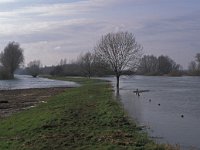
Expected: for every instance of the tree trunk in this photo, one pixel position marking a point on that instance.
(11, 75)
(117, 82)
(117, 88)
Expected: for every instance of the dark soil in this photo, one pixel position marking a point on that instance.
(12, 101)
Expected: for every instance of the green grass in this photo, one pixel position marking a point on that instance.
(86, 117)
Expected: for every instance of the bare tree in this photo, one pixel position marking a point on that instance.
(63, 62)
(34, 68)
(165, 64)
(148, 65)
(11, 58)
(151, 65)
(101, 68)
(198, 61)
(192, 66)
(197, 57)
(120, 50)
(86, 62)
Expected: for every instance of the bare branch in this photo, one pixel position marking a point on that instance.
(120, 50)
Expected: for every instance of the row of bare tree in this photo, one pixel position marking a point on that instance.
(114, 54)
(162, 65)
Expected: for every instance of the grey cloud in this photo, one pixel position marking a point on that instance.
(62, 30)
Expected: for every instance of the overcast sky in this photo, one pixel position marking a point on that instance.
(53, 29)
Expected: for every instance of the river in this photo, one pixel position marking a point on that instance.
(170, 110)
(27, 82)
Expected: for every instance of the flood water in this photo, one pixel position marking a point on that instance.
(27, 82)
(177, 96)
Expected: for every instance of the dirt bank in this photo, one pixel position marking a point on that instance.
(12, 101)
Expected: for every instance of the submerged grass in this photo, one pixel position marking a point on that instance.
(86, 117)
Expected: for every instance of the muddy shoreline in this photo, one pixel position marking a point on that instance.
(12, 101)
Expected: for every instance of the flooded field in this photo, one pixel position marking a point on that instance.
(28, 82)
(170, 110)
(25, 92)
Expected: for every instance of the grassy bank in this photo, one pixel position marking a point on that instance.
(86, 117)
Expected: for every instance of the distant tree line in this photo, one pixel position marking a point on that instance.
(115, 54)
(86, 65)
(162, 65)
(89, 65)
